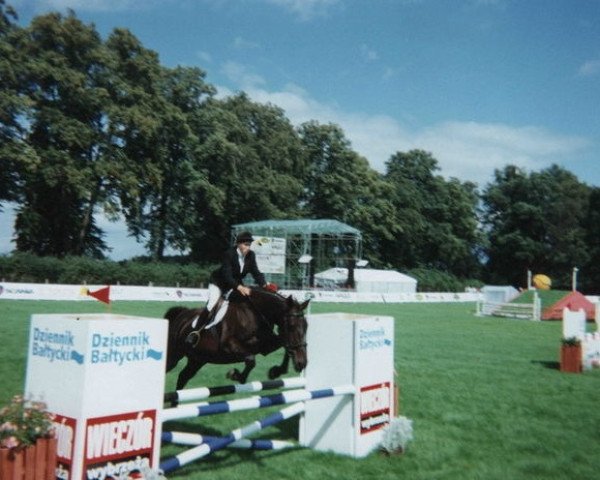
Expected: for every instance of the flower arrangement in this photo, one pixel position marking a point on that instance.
(22, 422)
(397, 434)
(149, 474)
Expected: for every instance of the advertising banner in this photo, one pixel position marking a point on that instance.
(270, 254)
(82, 366)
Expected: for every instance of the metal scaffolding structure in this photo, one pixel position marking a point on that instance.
(311, 246)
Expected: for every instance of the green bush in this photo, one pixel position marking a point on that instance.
(438, 281)
(77, 270)
(173, 272)
(22, 267)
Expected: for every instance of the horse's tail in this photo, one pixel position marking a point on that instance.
(174, 312)
(175, 350)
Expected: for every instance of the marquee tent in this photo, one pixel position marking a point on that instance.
(499, 293)
(367, 280)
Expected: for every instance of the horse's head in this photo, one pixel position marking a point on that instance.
(293, 332)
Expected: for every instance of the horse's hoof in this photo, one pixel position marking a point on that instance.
(233, 374)
(274, 372)
(192, 339)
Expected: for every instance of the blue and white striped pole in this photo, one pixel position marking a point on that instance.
(200, 393)
(205, 449)
(186, 438)
(255, 402)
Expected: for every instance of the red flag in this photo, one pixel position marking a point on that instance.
(103, 294)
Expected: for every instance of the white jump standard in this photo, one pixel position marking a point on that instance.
(102, 376)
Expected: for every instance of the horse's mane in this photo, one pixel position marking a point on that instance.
(269, 294)
(270, 299)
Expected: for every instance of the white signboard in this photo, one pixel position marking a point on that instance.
(270, 254)
(573, 323)
(102, 376)
(362, 354)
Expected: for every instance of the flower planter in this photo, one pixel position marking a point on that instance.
(571, 358)
(36, 462)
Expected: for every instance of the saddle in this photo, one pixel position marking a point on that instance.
(204, 321)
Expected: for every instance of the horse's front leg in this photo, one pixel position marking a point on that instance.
(188, 372)
(241, 377)
(278, 371)
(275, 343)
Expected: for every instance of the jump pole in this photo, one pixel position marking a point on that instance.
(186, 438)
(191, 394)
(205, 449)
(252, 403)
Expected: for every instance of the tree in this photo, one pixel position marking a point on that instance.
(63, 77)
(161, 151)
(251, 155)
(134, 126)
(436, 218)
(590, 272)
(534, 222)
(169, 220)
(16, 157)
(341, 185)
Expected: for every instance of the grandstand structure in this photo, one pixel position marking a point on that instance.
(311, 246)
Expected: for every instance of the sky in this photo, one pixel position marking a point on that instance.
(478, 83)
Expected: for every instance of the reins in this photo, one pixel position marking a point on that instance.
(284, 326)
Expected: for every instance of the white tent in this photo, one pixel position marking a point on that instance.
(367, 280)
(499, 293)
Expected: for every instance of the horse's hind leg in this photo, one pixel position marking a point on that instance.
(241, 377)
(278, 371)
(188, 372)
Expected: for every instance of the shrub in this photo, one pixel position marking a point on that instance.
(76, 270)
(430, 280)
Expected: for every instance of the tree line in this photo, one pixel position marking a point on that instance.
(91, 125)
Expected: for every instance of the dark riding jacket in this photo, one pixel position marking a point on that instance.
(228, 276)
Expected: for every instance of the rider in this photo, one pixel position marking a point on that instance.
(227, 280)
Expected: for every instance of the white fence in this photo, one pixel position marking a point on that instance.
(529, 311)
(44, 291)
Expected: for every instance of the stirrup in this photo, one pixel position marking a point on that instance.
(193, 338)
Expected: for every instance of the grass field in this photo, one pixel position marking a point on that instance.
(547, 297)
(485, 395)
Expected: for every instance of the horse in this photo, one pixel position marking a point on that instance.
(247, 329)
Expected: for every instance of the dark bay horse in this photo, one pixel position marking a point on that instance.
(260, 324)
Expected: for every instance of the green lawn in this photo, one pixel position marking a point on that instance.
(485, 394)
(547, 297)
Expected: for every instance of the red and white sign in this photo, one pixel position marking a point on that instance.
(64, 428)
(116, 445)
(375, 404)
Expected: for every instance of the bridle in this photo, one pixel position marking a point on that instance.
(284, 326)
(290, 347)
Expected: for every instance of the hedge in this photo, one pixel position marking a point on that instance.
(76, 270)
(29, 268)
